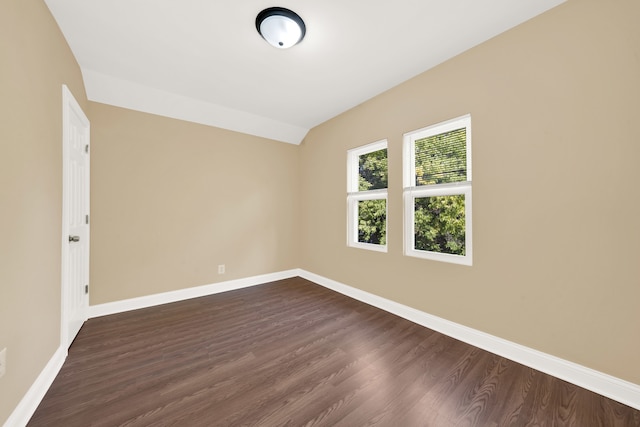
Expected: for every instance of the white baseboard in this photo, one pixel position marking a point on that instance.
(598, 382)
(29, 403)
(188, 293)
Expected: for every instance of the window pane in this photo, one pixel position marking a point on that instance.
(372, 170)
(442, 158)
(440, 224)
(372, 221)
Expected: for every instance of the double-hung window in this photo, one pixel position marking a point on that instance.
(437, 192)
(367, 196)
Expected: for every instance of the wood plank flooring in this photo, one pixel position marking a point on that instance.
(292, 353)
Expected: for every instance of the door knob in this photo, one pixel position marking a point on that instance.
(74, 238)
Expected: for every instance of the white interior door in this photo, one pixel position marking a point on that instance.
(75, 237)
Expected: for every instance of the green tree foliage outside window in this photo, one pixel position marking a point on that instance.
(372, 170)
(372, 214)
(440, 224)
(372, 221)
(440, 220)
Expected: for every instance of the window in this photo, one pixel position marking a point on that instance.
(437, 192)
(367, 196)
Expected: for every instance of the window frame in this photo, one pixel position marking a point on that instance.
(354, 196)
(411, 191)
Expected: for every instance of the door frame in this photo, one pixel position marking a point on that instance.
(70, 107)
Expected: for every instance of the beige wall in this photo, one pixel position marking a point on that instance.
(35, 62)
(171, 200)
(555, 106)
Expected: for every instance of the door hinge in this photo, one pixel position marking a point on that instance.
(86, 219)
(86, 289)
(86, 148)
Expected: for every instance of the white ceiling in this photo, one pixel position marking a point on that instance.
(203, 60)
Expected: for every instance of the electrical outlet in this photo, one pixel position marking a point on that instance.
(3, 362)
(221, 269)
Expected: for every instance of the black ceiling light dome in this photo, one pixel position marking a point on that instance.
(280, 27)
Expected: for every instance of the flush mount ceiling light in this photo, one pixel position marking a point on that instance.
(280, 27)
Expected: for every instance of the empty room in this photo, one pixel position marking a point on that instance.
(319, 213)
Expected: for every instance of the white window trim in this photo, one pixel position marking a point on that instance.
(354, 196)
(409, 202)
(411, 191)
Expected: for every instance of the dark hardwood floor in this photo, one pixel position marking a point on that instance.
(292, 353)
